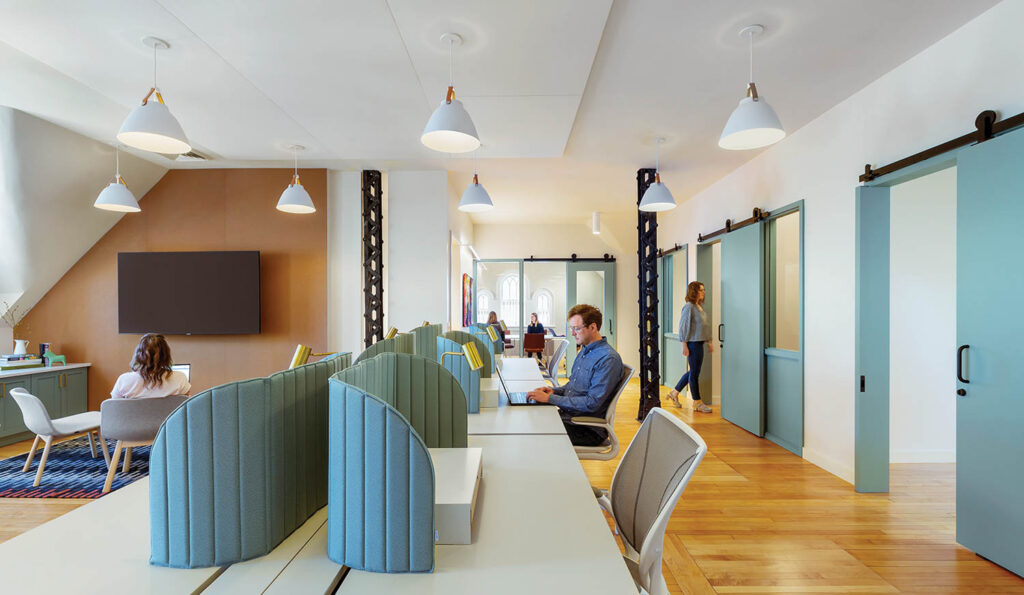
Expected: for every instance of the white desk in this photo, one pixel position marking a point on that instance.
(504, 419)
(520, 368)
(538, 530)
(102, 547)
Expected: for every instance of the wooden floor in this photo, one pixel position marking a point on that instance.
(757, 519)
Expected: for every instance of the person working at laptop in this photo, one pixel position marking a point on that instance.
(596, 373)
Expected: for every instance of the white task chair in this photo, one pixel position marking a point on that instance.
(610, 448)
(551, 374)
(648, 482)
(134, 422)
(37, 419)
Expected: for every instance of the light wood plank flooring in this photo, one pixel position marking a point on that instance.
(757, 519)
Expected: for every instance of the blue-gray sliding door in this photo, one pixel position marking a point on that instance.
(743, 330)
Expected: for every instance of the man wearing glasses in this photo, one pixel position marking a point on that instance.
(596, 373)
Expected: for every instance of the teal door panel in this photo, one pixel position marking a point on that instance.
(784, 404)
(705, 273)
(743, 331)
(10, 413)
(990, 291)
(871, 385)
(675, 363)
(46, 386)
(664, 312)
(591, 283)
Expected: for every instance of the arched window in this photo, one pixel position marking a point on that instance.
(509, 296)
(544, 301)
(484, 304)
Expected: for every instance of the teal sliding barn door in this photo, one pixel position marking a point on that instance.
(990, 332)
(590, 283)
(743, 328)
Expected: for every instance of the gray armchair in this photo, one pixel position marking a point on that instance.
(133, 422)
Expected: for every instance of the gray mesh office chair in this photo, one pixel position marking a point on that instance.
(610, 448)
(648, 482)
(551, 374)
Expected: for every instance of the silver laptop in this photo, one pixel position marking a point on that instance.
(516, 398)
(185, 369)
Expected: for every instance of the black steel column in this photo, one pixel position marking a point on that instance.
(647, 253)
(373, 258)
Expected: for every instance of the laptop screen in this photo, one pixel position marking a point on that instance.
(184, 369)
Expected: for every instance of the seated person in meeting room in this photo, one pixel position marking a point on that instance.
(596, 372)
(151, 374)
(492, 319)
(535, 327)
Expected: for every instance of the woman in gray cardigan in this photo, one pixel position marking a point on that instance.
(694, 332)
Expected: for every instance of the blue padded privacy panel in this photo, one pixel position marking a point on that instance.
(403, 343)
(468, 379)
(380, 514)
(237, 468)
(420, 389)
(424, 340)
(484, 347)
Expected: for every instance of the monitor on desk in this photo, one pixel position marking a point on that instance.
(184, 369)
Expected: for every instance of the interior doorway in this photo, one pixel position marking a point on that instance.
(709, 272)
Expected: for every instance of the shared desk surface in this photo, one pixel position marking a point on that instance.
(537, 529)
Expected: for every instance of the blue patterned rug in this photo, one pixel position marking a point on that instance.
(71, 472)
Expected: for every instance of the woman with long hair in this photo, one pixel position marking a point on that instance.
(492, 319)
(151, 374)
(535, 327)
(694, 333)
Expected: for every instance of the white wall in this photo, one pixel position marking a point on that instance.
(618, 238)
(933, 97)
(417, 247)
(922, 315)
(49, 179)
(344, 262)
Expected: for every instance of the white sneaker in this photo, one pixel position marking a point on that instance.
(702, 408)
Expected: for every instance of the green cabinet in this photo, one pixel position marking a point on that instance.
(63, 393)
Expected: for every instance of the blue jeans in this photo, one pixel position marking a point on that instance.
(694, 360)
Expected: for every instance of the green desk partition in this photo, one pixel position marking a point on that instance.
(425, 340)
(235, 469)
(483, 346)
(420, 389)
(403, 343)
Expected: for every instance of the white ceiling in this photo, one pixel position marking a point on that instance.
(567, 94)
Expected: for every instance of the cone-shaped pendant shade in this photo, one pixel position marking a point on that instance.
(117, 197)
(450, 129)
(151, 127)
(475, 199)
(657, 197)
(295, 199)
(753, 124)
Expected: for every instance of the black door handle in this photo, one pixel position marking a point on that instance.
(720, 327)
(960, 363)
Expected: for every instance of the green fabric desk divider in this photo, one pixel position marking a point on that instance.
(468, 378)
(403, 343)
(483, 346)
(380, 509)
(235, 469)
(425, 340)
(421, 390)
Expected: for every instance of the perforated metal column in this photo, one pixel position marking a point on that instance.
(647, 253)
(373, 258)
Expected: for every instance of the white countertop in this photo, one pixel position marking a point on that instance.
(520, 368)
(30, 371)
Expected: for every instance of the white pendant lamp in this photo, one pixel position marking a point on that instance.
(150, 126)
(450, 129)
(596, 224)
(753, 124)
(116, 196)
(295, 199)
(475, 199)
(657, 197)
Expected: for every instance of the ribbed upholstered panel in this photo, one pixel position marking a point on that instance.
(380, 514)
(468, 379)
(425, 340)
(238, 467)
(483, 346)
(427, 395)
(403, 343)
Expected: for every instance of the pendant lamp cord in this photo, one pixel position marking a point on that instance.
(750, 37)
(117, 163)
(476, 162)
(295, 158)
(154, 66)
(657, 160)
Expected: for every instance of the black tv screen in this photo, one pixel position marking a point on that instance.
(188, 293)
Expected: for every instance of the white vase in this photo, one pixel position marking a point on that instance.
(20, 346)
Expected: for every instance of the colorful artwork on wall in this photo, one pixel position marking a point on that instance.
(467, 300)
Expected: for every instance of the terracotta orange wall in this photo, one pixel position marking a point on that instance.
(187, 210)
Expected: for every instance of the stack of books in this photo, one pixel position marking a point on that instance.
(20, 361)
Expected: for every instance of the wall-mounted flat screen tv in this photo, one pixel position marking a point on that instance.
(188, 293)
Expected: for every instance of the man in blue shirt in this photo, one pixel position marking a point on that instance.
(596, 373)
